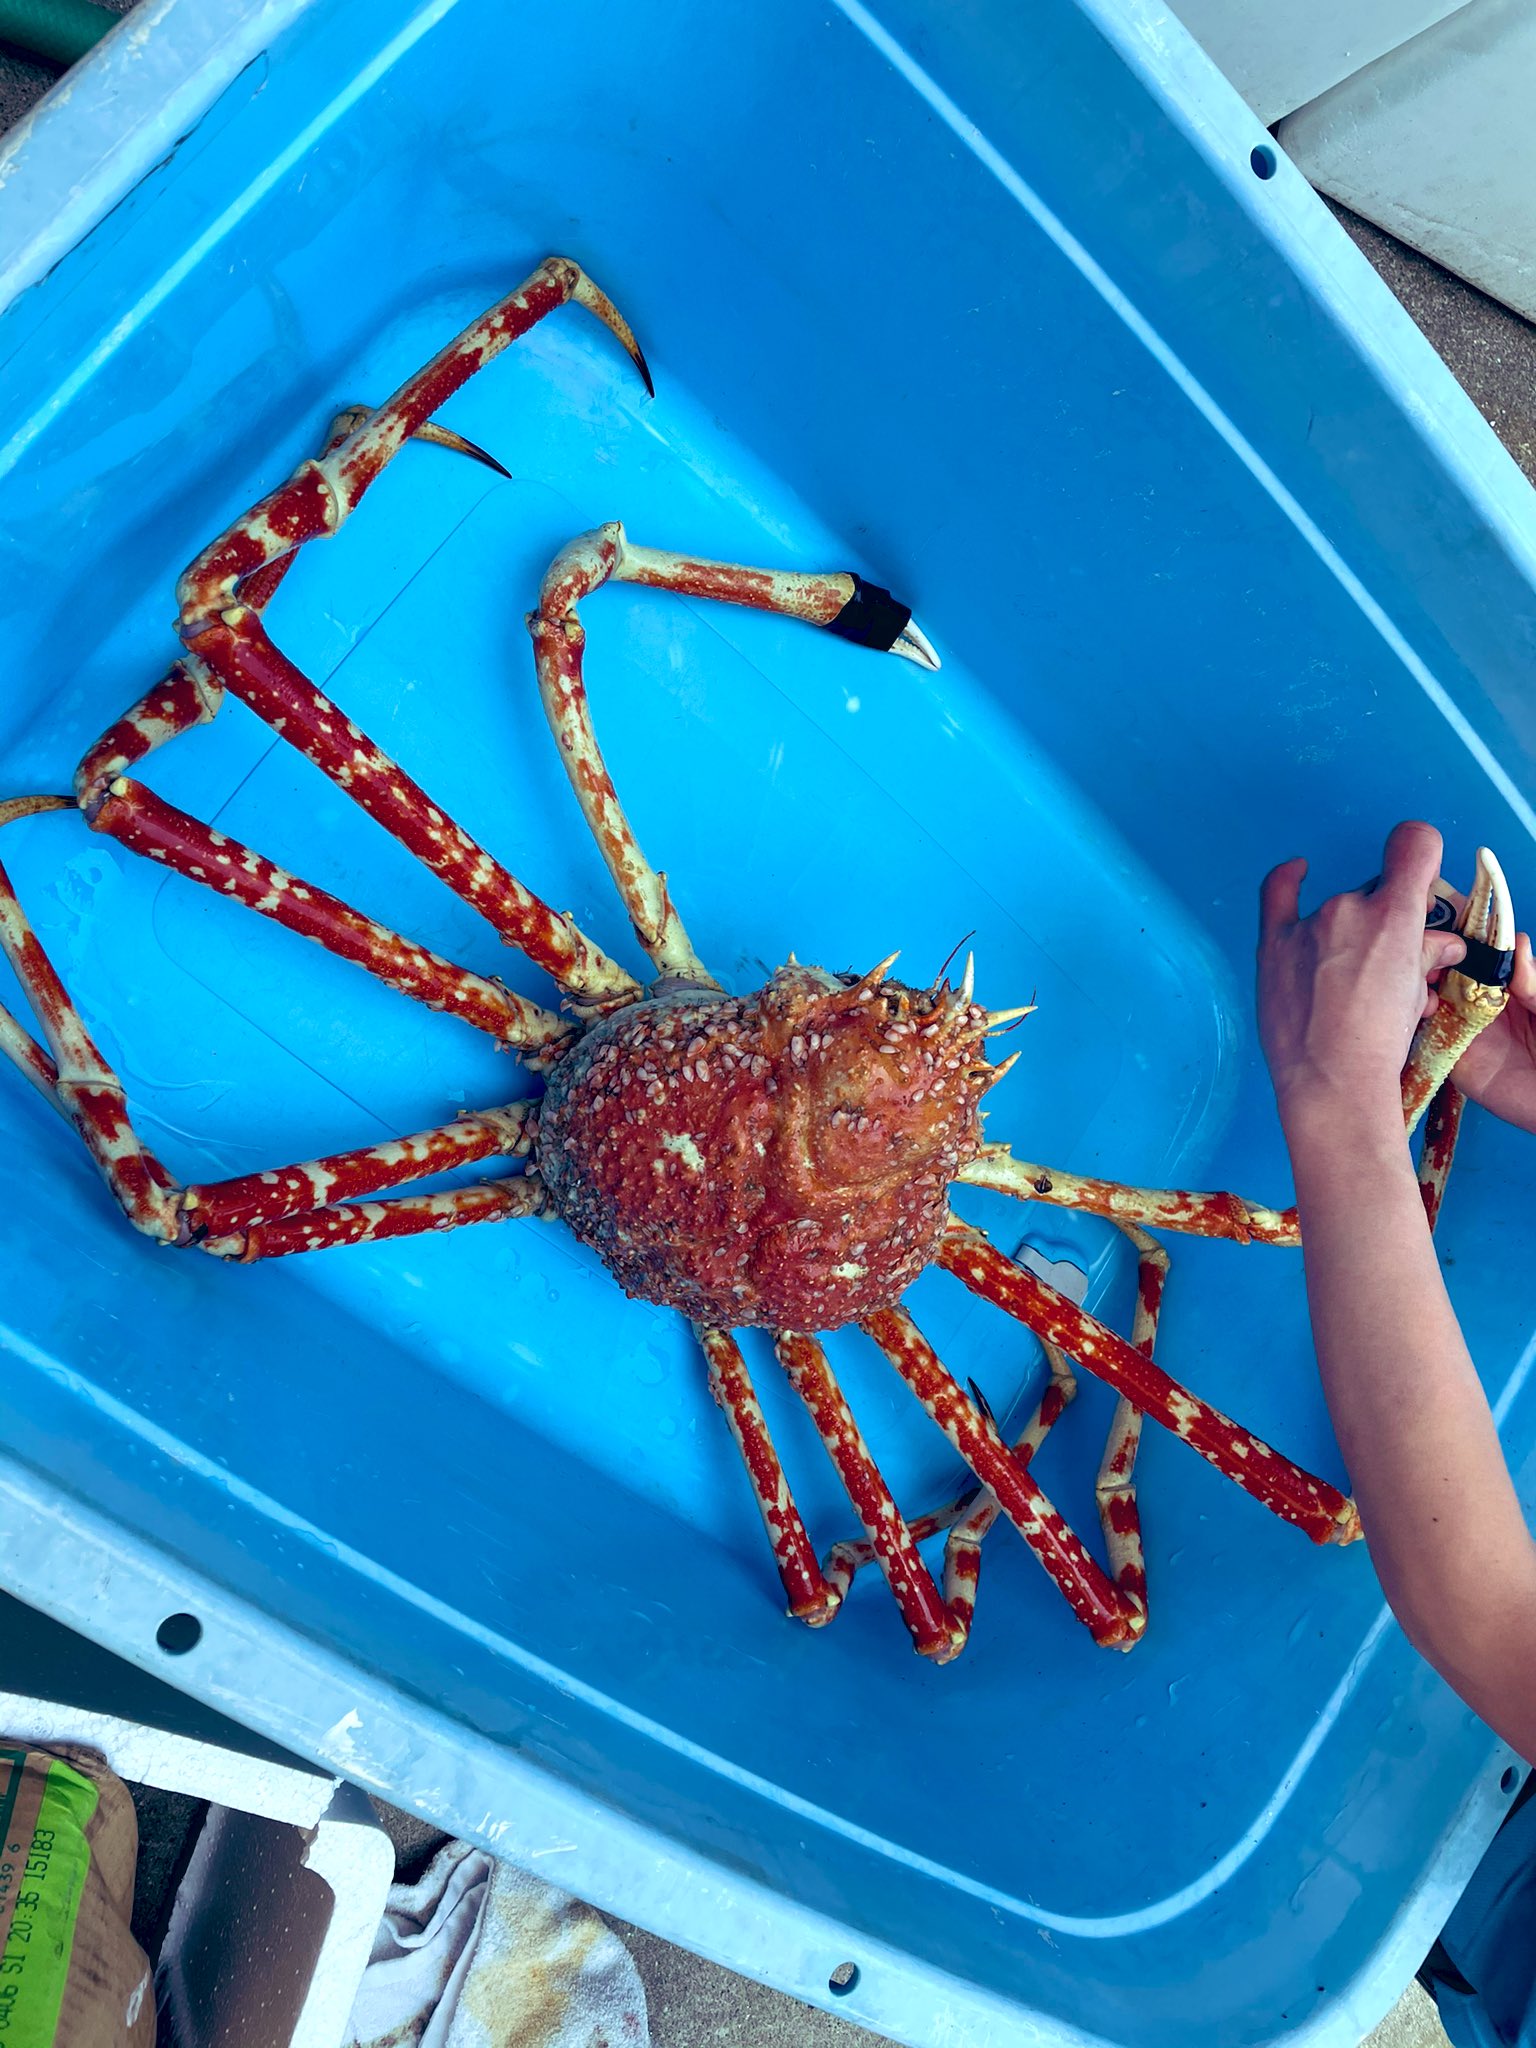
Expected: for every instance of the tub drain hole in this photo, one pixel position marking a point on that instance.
(179, 1633)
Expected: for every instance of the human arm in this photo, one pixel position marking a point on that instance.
(1339, 996)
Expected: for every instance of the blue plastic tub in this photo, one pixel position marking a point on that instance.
(989, 304)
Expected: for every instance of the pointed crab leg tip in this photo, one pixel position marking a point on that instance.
(444, 437)
(982, 1402)
(597, 302)
(1491, 902)
(968, 982)
(913, 644)
(997, 1018)
(1000, 1071)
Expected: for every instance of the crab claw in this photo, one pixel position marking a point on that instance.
(873, 618)
(1487, 923)
(1471, 994)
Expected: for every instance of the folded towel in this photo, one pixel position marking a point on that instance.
(480, 1955)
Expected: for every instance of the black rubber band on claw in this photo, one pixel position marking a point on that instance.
(1491, 965)
(1488, 964)
(871, 617)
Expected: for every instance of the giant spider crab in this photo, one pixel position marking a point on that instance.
(782, 1158)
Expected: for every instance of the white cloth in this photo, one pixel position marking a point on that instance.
(479, 1955)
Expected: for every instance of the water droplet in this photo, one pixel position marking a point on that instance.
(666, 1426)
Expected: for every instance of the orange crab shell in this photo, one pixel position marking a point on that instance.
(782, 1158)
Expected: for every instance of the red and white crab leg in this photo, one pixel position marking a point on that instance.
(318, 1230)
(185, 696)
(226, 633)
(971, 1518)
(1115, 1489)
(326, 489)
(932, 1628)
(23, 1051)
(1112, 1615)
(77, 1079)
(1442, 1127)
(968, 1517)
(1284, 1488)
(84, 1086)
(216, 1208)
(1213, 1214)
(962, 1548)
(16, 1042)
(843, 603)
(189, 694)
(147, 824)
(811, 1598)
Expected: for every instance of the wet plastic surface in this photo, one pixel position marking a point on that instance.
(454, 1513)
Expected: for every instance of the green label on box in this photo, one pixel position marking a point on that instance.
(45, 1809)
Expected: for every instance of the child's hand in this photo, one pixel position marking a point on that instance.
(1341, 991)
(1498, 1069)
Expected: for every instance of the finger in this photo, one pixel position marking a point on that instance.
(1280, 896)
(1431, 1004)
(1522, 980)
(1411, 862)
(1442, 950)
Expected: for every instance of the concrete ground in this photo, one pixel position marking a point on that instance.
(694, 2004)
(1490, 351)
